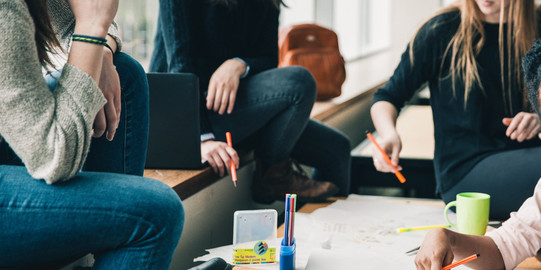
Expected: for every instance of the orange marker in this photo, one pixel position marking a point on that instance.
(233, 170)
(399, 175)
(463, 261)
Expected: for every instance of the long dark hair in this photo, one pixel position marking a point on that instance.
(45, 37)
(233, 3)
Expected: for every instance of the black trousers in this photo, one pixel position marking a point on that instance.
(509, 178)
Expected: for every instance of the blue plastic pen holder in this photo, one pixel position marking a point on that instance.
(287, 255)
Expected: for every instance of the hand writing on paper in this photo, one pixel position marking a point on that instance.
(435, 252)
(223, 86)
(219, 156)
(524, 126)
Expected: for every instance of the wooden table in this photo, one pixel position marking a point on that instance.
(530, 263)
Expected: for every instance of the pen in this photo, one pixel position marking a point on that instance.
(233, 170)
(399, 175)
(422, 228)
(463, 261)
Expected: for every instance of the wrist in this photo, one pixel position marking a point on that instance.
(90, 30)
(451, 237)
(240, 66)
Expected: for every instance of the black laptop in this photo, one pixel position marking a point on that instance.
(174, 136)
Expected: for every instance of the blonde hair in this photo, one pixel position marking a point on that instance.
(469, 39)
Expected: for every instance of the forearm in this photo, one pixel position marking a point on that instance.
(384, 116)
(87, 56)
(464, 245)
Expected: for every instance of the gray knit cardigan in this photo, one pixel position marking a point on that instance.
(50, 132)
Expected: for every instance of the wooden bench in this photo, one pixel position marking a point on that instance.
(416, 130)
(353, 104)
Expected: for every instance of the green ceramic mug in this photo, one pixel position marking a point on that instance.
(472, 210)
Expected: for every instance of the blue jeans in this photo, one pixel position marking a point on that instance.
(126, 153)
(274, 107)
(127, 222)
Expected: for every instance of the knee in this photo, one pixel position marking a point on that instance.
(162, 207)
(342, 143)
(130, 72)
(300, 80)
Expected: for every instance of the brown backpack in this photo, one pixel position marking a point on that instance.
(315, 48)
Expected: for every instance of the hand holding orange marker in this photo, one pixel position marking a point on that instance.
(399, 175)
(233, 170)
(463, 261)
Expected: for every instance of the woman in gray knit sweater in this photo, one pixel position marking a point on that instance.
(50, 212)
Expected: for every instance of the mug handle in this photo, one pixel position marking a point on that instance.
(449, 205)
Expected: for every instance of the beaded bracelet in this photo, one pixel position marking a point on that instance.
(89, 39)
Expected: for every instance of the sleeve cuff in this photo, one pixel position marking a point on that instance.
(247, 67)
(207, 136)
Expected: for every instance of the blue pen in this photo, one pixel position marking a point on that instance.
(286, 220)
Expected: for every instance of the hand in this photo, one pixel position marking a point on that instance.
(109, 116)
(219, 156)
(223, 86)
(392, 145)
(93, 17)
(524, 126)
(436, 251)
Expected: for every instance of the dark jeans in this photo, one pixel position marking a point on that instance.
(126, 153)
(275, 105)
(509, 178)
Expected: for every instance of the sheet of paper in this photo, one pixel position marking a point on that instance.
(360, 227)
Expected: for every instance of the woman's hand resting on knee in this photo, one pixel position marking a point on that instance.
(219, 156)
(223, 86)
(524, 126)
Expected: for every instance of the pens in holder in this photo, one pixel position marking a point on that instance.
(399, 175)
(463, 261)
(289, 219)
(233, 170)
(288, 246)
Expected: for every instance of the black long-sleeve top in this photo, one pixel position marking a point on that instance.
(197, 36)
(464, 135)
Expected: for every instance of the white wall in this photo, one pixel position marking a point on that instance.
(407, 16)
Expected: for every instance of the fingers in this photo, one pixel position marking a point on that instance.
(449, 257)
(118, 105)
(224, 102)
(379, 162)
(233, 154)
(232, 99)
(99, 124)
(112, 120)
(523, 126)
(506, 121)
(395, 157)
(219, 155)
(513, 125)
(218, 97)
(524, 130)
(211, 93)
(215, 163)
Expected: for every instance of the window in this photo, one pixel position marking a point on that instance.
(137, 24)
(363, 26)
